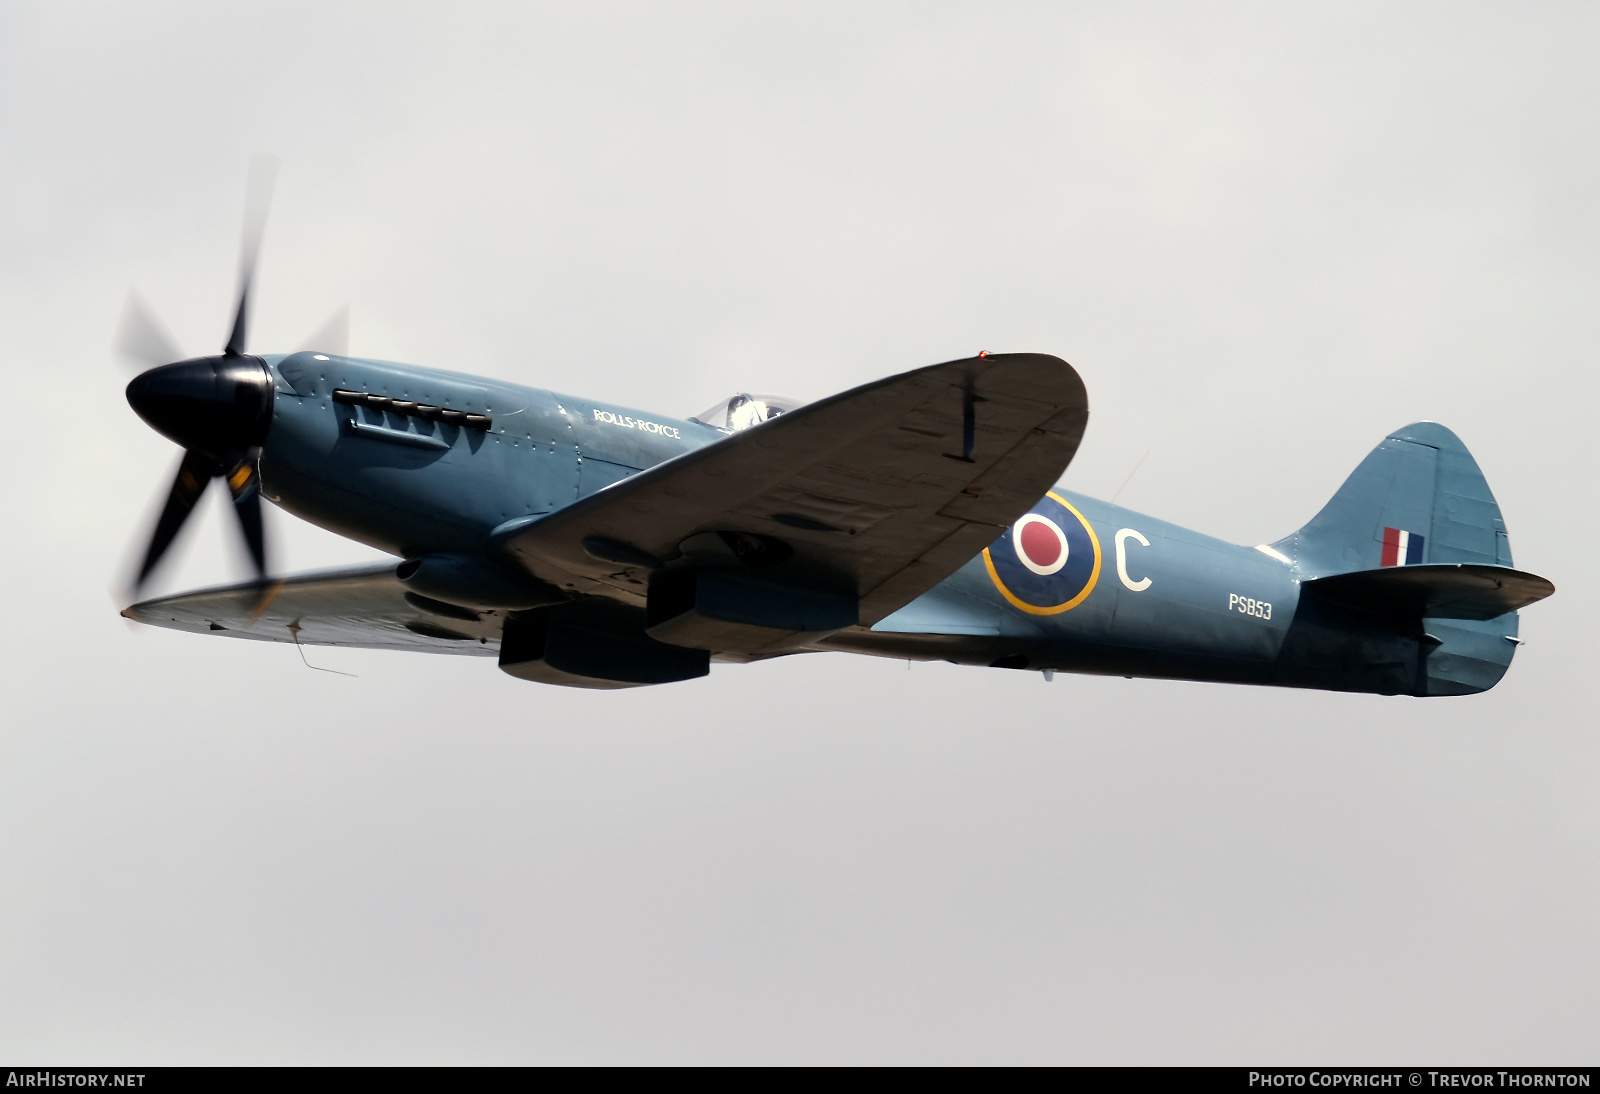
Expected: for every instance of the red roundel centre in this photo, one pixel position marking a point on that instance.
(1040, 543)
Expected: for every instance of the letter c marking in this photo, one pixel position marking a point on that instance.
(1122, 560)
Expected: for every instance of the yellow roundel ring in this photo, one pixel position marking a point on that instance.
(1050, 609)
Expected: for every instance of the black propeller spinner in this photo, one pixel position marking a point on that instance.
(217, 408)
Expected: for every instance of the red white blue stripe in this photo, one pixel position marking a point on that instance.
(1401, 548)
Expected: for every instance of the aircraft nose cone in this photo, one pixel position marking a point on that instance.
(211, 404)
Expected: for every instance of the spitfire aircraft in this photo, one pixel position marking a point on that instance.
(917, 516)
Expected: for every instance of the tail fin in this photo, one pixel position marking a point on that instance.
(1419, 499)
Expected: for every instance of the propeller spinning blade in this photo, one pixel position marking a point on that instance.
(258, 199)
(217, 408)
(332, 338)
(141, 338)
(245, 486)
(194, 474)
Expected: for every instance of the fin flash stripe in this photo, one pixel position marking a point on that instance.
(1400, 548)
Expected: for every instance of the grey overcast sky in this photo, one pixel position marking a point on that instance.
(1266, 235)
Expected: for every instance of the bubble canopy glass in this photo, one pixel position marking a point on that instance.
(745, 410)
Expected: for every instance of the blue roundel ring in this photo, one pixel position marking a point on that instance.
(1048, 561)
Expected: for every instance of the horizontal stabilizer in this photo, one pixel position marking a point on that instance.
(1461, 591)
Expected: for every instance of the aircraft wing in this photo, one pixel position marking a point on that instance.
(887, 488)
(366, 608)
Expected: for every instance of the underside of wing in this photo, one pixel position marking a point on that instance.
(834, 514)
(366, 608)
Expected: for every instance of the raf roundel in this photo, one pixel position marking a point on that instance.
(1048, 561)
(1040, 544)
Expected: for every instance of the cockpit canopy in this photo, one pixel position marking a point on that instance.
(745, 410)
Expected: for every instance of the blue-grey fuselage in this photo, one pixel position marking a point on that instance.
(1078, 585)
